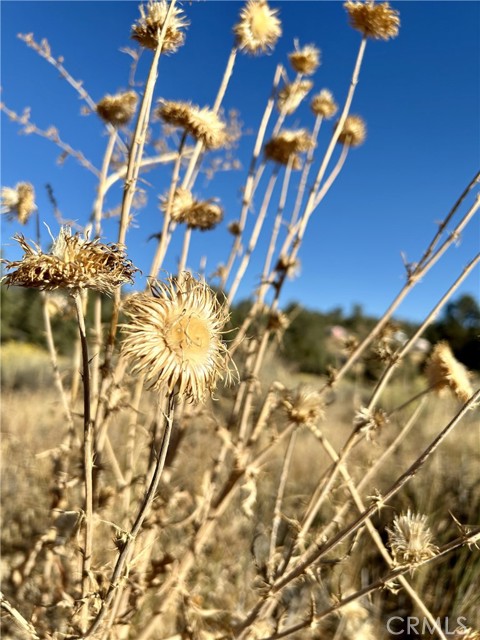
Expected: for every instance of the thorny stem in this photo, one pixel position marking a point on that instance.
(318, 549)
(87, 460)
(137, 525)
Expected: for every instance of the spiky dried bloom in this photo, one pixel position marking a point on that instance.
(119, 109)
(354, 131)
(73, 263)
(323, 104)
(378, 21)
(304, 407)
(410, 539)
(277, 322)
(305, 60)
(148, 27)
(204, 215)
(368, 422)
(234, 228)
(291, 95)
(174, 337)
(258, 29)
(443, 371)
(18, 202)
(202, 124)
(182, 203)
(288, 144)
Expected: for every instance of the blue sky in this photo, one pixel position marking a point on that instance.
(419, 95)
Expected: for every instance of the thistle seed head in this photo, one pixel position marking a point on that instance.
(258, 29)
(443, 371)
(201, 124)
(354, 131)
(377, 21)
(73, 263)
(411, 539)
(174, 337)
(305, 60)
(19, 202)
(148, 27)
(288, 144)
(304, 407)
(119, 109)
(324, 105)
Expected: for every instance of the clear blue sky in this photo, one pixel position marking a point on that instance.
(419, 95)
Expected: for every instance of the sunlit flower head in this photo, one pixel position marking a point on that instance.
(149, 26)
(119, 109)
(287, 145)
(182, 203)
(73, 263)
(174, 337)
(197, 214)
(323, 104)
(411, 539)
(259, 28)
(443, 371)
(305, 60)
(378, 21)
(18, 203)
(304, 407)
(291, 95)
(354, 131)
(201, 124)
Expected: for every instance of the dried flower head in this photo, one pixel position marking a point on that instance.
(73, 263)
(410, 539)
(148, 27)
(305, 60)
(258, 29)
(234, 228)
(204, 215)
(277, 322)
(368, 422)
(174, 337)
(354, 131)
(201, 124)
(287, 145)
(19, 202)
(323, 104)
(443, 371)
(119, 109)
(182, 203)
(304, 407)
(291, 95)
(378, 21)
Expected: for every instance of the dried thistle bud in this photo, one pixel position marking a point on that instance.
(234, 228)
(354, 131)
(182, 203)
(291, 95)
(204, 215)
(201, 124)
(305, 60)
(377, 21)
(410, 539)
(443, 371)
(72, 264)
(258, 29)
(174, 337)
(277, 322)
(323, 104)
(304, 407)
(368, 422)
(19, 202)
(149, 26)
(287, 145)
(119, 109)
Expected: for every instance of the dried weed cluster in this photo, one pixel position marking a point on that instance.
(259, 508)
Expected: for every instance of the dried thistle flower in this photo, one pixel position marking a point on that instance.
(354, 131)
(277, 322)
(258, 29)
(19, 202)
(288, 144)
(291, 95)
(410, 539)
(304, 407)
(73, 263)
(182, 202)
(234, 228)
(174, 337)
(443, 371)
(148, 27)
(378, 21)
(305, 60)
(197, 214)
(323, 104)
(119, 109)
(368, 422)
(201, 124)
